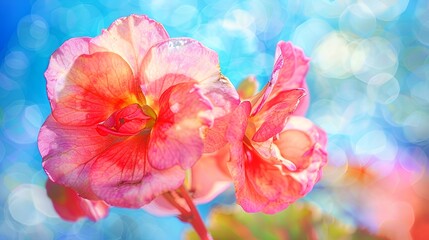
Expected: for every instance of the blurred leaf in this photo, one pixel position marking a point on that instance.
(299, 221)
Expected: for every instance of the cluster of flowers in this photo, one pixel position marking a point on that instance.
(137, 115)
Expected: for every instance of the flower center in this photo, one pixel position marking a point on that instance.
(128, 121)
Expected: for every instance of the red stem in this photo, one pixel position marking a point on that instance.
(195, 219)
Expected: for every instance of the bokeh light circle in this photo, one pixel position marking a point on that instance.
(373, 56)
(383, 88)
(358, 19)
(33, 31)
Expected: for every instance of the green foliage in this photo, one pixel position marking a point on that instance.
(299, 221)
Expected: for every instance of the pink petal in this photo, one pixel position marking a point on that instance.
(289, 71)
(123, 177)
(176, 138)
(131, 37)
(71, 207)
(238, 123)
(246, 195)
(68, 153)
(95, 87)
(225, 100)
(265, 183)
(176, 61)
(292, 74)
(259, 99)
(295, 67)
(60, 63)
(273, 116)
(210, 176)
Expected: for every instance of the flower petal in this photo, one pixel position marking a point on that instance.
(123, 177)
(209, 178)
(176, 61)
(176, 138)
(292, 74)
(68, 153)
(71, 207)
(295, 67)
(289, 71)
(96, 86)
(131, 37)
(273, 116)
(210, 175)
(59, 65)
(246, 195)
(267, 184)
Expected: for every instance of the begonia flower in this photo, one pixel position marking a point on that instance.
(71, 207)
(129, 111)
(275, 157)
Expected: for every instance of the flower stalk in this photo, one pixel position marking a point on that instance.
(192, 216)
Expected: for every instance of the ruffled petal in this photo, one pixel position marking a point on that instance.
(68, 153)
(247, 197)
(273, 116)
(71, 207)
(289, 71)
(131, 37)
(176, 138)
(268, 184)
(176, 61)
(123, 177)
(96, 86)
(292, 74)
(60, 63)
(294, 69)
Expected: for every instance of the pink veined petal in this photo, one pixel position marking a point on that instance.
(292, 74)
(71, 207)
(273, 116)
(215, 136)
(304, 103)
(68, 153)
(96, 86)
(176, 61)
(123, 177)
(259, 99)
(176, 138)
(131, 37)
(225, 99)
(295, 67)
(238, 123)
(290, 68)
(246, 195)
(60, 63)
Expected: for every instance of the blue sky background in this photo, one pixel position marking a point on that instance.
(368, 82)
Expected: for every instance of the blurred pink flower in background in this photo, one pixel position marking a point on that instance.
(71, 207)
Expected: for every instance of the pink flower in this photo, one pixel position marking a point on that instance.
(276, 158)
(71, 207)
(129, 111)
